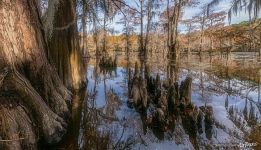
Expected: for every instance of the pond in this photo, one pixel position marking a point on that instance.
(229, 84)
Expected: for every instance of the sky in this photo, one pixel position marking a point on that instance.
(224, 5)
(189, 12)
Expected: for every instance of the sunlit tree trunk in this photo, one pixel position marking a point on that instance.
(104, 34)
(28, 75)
(64, 46)
(95, 37)
(149, 19)
(173, 25)
(141, 30)
(260, 45)
(202, 35)
(84, 28)
(127, 40)
(168, 25)
(173, 51)
(189, 38)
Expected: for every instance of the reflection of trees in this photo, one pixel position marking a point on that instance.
(91, 137)
(228, 73)
(90, 118)
(223, 82)
(210, 84)
(215, 81)
(113, 104)
(98, 129)
(258, 89)
(73, 133)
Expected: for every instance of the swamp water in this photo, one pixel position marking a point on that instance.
(230, 85)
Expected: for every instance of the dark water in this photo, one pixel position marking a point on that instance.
(229, 83)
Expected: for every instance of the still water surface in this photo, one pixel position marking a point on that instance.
(230, 84)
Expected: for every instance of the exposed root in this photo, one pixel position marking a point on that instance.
(52, 126)
(29, 81)
(16, 129)
(56, 93)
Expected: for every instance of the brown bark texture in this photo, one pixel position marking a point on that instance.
(33, 98)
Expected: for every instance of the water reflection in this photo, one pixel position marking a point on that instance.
(70, 140)
(226, 88)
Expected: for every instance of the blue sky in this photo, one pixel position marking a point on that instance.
(224, 5)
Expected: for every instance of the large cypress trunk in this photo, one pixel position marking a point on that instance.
(64, 45)
(29, 85)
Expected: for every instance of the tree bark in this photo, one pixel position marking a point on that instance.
(173, 25)
(142, 53)
(64, 46)
(28, 77)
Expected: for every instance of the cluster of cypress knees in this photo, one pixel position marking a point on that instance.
(108, 62)
(108, 65)
(162, 103)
